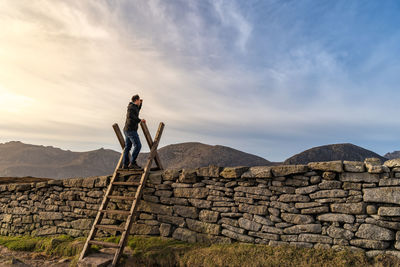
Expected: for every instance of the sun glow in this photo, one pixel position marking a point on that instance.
(11, 102)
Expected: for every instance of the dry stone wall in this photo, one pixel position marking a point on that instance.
(322, 204)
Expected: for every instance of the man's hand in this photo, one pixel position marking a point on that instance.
(141, 101)
(144, 121)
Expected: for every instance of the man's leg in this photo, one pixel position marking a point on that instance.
(128, 146)
(138, 146)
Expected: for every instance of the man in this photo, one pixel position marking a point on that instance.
(131, 134)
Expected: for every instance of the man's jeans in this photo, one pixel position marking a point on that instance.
(131, 137)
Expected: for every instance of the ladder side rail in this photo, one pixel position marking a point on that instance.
(100, 215)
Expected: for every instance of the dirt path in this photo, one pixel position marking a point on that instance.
(29, 259)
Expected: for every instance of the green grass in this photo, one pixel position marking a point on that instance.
(156, 251)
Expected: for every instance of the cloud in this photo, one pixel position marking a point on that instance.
(259, 76)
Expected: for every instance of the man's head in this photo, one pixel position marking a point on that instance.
(136, 99)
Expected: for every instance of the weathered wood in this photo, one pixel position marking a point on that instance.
(110, 227)
(117, 212)
(149, 140)
(132, 213)
(103, 205)
(138, 195)
(122, 197)
(104, 244)
(120, 137)
(127, 183)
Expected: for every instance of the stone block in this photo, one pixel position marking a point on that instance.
(184, 234)
(306, 190)
(393, 163)
(233, 172)
(170, 175)
(50, 216)
(293, 198)
(172, 220)
(316, 210)
(186, 212)
(82, 224)
(334, 166)
(330, 185)
(188, 176)
(252, 209)
(199, 192)
(208, 216)
(175, 201)
(144, 229)
(74, 182)
(262, 220)
(334, 193)
(336, 217)
(374, 232)
(359, 177)
(254, 190)
(382, 195)
(203, 227)
(258, 172)
(353, 166)
(210, 171)
(349, 208)
(150, 207)
(389, 211)
(339, 233)
(297, 218)
(284, 170)
(369, 244)
(249, 225)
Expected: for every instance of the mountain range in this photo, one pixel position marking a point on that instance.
(333, 152)
(20, 160)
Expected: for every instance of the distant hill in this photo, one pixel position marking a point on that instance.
(19, 160)
(393, 155)
(333, 152)
(193, 155)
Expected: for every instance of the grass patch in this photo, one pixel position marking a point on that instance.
(156, 251)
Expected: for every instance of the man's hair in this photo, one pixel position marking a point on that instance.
(135, 97)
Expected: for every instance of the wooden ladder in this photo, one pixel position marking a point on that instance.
(131, 214)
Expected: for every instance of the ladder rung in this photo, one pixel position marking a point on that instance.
(103, 244)
(127, 183)
(119, 212)
(110, 227)
(121, 197)
(130, 171)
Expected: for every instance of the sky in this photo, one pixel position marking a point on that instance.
(271, 78)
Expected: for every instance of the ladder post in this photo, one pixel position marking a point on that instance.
(149, 140)
(120, 137)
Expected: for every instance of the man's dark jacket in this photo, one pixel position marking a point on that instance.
(132, 117)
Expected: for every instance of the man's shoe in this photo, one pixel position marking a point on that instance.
(125, 167)
(134, 166)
